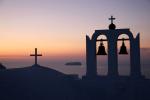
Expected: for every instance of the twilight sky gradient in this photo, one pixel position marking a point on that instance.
(58, 27)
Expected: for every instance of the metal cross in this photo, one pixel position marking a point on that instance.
(112, 18)
(35, 55)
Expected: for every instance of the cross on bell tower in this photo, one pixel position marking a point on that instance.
(112, 18)
(112, 26)
(36, 55)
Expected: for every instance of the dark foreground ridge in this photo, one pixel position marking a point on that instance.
(41, 83)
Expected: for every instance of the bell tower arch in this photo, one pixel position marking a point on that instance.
(102, 55)
(112, 35)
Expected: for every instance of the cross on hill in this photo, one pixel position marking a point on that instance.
(36, 55)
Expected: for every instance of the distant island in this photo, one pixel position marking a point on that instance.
(73, 63)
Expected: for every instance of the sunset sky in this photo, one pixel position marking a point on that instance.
(58, 27)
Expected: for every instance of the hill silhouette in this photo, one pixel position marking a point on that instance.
(41, 83)
(35, 83)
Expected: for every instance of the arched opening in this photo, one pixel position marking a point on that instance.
(102, 59)
(123, 58)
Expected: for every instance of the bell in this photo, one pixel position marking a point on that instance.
(123, 49)
(101, 50)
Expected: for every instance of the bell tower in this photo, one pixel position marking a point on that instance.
(112, 35)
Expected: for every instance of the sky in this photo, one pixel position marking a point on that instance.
(58, 27)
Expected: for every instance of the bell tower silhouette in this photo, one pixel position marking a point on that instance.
(112, 35)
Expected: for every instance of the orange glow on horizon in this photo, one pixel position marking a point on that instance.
(53, 52)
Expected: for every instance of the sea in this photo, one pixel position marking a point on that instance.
(59, 64)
